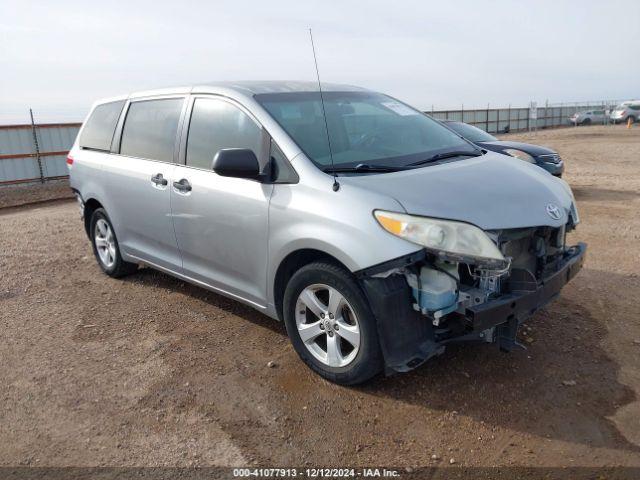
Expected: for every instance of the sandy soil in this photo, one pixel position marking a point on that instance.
(151, 371)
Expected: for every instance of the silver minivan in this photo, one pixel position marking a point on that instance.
(375, 233)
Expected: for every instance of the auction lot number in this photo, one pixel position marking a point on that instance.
(315, 472)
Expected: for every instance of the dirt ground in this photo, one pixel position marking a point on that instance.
(34, 193)
(150, 371)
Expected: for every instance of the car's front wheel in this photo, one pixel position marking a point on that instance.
(331, 325)
(105, 246)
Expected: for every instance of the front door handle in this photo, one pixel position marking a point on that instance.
(158, 179)
(182, 185)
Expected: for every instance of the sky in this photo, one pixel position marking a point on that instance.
(58, 57)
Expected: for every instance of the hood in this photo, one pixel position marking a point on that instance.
(500, 145)
(492, 192)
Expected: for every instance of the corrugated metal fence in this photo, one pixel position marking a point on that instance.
(35, 153)
(499, 120)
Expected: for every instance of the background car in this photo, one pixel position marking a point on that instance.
(626, 111)
(588, 116)
(544, 157)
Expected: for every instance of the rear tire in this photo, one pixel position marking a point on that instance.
(324, 304)
(106, 248)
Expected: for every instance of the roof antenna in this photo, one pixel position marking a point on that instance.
(336, 185)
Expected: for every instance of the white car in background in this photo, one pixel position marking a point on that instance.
(626, 111)
(588, 117)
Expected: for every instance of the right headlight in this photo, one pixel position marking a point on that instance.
(450, 240)
(519, 154)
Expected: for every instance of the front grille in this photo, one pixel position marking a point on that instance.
(550, 158)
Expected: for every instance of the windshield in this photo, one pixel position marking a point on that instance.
(364, 128)
(470, 132)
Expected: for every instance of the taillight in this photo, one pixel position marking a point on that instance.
(69, 160)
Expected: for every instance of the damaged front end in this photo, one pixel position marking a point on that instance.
(422, 301)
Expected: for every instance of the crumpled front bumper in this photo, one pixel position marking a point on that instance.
(408, 339)
(522, 304)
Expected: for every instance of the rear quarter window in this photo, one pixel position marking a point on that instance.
(100, 126)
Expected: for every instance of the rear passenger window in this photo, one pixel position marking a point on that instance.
(150, 129)
(217, 124)
(98, 129)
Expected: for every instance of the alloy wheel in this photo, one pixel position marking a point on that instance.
(327, 325)
(105, 243)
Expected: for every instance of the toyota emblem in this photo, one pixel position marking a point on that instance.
(553, 211)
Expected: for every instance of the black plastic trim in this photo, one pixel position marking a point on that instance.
(398, 262)
(406, 337)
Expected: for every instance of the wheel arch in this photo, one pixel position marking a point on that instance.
(90, 206)
(293, 262)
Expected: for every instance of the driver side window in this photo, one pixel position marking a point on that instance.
(216, 124)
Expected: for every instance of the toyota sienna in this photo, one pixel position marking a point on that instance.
(378, 235)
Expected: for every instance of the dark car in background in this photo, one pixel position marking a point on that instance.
(542, 156)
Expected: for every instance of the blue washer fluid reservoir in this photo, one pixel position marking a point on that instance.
(435, 291)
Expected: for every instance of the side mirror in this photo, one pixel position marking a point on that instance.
(236, 162)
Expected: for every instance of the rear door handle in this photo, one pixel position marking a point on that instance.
(182, 185)
(158, 179)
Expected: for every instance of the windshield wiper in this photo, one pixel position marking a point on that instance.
(363, 168)
(442, 156)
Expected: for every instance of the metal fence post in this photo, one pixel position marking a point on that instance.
(486, 124)
(546, 114)
(37, 147)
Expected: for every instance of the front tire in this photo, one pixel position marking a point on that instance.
(106, 248)
(330, 324)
